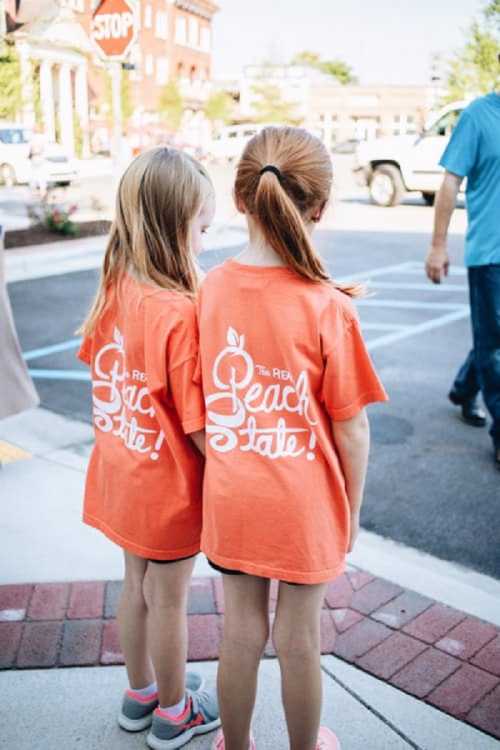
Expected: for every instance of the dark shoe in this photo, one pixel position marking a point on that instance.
(496, 458)
(472, 414)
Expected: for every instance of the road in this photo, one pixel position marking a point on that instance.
(431, 483)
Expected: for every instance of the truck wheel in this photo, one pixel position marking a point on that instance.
(7, 175)
(429, 198)
(386, 186)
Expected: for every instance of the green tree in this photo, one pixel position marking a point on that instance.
(219, 107)
(337, 69)
(270, 106)
(475, 68)
(37, 97)
(171, 105)
(127, 104)
(78, 132)
(11, 98)
(126, 96)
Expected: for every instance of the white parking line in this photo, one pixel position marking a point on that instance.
(401, 304)
(385, 327)
(398, 332)
(432, 288)
(429, 325)
(370, 274)
(419, 267)
(60, 375)
(54, 349)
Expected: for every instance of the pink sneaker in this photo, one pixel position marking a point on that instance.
(218, 743)
(327, 740)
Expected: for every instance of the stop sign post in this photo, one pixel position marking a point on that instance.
(114, 30)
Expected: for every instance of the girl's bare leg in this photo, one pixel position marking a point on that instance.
(166, 588)
(296, 636)
(246, 630)
(132, 623)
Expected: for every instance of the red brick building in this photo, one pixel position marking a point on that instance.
(174, 43)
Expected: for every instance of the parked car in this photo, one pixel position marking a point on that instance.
(391, 166)
(346, 147)
(15, 167)
(231, 140)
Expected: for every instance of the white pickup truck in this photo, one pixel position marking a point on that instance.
(391, 166)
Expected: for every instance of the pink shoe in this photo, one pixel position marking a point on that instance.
(327, 740)
(218, 743)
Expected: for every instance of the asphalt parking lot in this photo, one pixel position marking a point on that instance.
(431, 482)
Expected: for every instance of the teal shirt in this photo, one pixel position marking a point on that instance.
(474, 152)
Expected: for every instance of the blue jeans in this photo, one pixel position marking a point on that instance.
(481, 369)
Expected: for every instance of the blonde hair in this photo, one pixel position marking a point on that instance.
(282, 199)
(159, 194)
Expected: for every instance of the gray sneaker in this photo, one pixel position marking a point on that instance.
(137, 712)
(200, 716)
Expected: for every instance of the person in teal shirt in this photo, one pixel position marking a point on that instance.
(474, 152)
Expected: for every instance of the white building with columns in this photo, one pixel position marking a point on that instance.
(57, 47)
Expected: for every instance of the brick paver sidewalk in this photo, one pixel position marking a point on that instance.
(434, 652)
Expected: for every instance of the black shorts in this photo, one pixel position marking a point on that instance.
(166, 562)
(228, 572)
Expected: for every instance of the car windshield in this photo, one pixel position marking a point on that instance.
(14, 136)
(445, 124)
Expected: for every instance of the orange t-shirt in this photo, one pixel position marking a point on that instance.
(280, 358)
(144, 479)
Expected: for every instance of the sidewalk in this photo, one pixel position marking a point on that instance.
(412, 656)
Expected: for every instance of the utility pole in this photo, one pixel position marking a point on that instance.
(115, 69)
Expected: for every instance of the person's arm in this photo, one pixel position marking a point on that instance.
(352, 440)
(198, 439)
(437, 262)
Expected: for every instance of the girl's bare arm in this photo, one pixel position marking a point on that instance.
(352, 440)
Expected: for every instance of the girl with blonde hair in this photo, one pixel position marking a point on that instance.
(143, 485)
(286, 378)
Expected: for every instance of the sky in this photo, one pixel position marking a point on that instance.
(383, 41)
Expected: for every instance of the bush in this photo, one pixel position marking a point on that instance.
(56, 217)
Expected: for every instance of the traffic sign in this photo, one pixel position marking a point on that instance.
(114, 28)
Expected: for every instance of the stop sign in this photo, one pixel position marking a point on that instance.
(114, 28)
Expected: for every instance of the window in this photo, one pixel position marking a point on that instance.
(193, 32)
(14, 135)
(397, 118)
(149, 65)
(206, 41)
(162, 71)
(444, 126)
(78, 5)
(181, 30)
(161, 25)
(148, 17)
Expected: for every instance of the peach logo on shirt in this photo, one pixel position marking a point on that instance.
(232, 411)
(119, 404)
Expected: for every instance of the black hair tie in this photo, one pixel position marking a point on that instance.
(273, 169)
